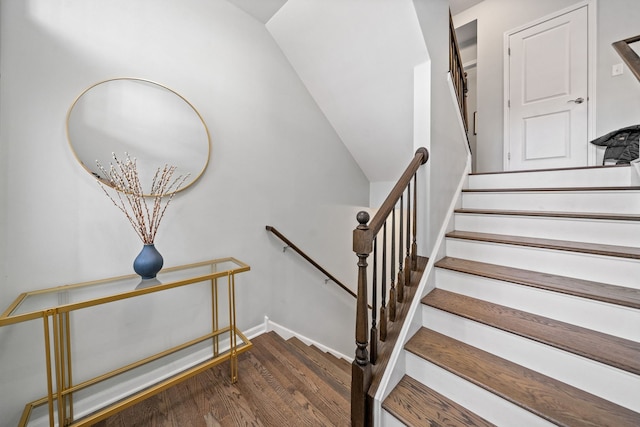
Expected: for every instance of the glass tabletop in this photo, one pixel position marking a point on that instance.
(105, 290)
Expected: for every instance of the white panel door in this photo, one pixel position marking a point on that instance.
(548, 68)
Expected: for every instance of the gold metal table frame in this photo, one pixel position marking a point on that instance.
(45, 304)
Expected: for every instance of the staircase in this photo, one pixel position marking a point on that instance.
(535, 315)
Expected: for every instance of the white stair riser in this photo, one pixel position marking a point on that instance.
(612, 270)
(599, 316)
(623, 202)
(478, 400)
(609, 383)
(593, 177)
(623, 233)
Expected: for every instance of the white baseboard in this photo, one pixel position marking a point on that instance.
(287, 333)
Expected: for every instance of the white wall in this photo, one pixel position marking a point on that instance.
(618, 98)
(617, 101)
(275, 160)
(356, 58)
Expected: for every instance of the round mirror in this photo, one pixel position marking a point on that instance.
(143, 119)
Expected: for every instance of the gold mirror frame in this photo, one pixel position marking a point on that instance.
(168, 128)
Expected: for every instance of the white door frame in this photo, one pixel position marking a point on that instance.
(591, 6)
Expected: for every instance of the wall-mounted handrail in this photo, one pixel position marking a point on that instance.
(628, 55)
(309, 259)
(365, 240)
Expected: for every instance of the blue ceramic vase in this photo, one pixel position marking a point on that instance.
(148, 262)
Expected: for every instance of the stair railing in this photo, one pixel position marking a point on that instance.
(291, 245)
(365, 242)
(628, 55)
(458, 74)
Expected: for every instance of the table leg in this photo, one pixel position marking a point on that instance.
(232, 328)
(47, 350)
(214, 313)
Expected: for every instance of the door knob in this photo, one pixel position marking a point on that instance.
(577, 100)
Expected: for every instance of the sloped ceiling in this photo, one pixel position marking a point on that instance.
(262, 10)
(357, 59)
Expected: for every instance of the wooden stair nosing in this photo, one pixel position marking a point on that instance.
(613, 351)
(550, 189)
(553, 214)
(415, 404)
(544, 396)
(265, 392)
(561, 245)
(603, 292)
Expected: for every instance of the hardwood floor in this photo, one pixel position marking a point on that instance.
(281, 383)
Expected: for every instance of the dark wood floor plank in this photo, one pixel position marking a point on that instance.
(154, 411)
(312, 410)
(181, 404)
(226, 404)
(544, 396)
(268, 399)
(619, 295)
(614, 351)
(417, 405)
(563, 245)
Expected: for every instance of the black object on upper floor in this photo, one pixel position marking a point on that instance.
(622, 144)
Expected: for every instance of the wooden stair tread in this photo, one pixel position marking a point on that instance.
(544, 396)
(315, 371)
(549, 189)
(614, 351)
(323, 360)
(340, 363)
(563, 245)
(325, 394)
(620, 295)
(415, 404)
(553, 214)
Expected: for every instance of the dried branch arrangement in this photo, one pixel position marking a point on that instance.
(144, 212)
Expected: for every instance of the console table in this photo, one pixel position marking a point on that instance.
(55, 306)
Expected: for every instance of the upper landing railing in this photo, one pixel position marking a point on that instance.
(458, 74)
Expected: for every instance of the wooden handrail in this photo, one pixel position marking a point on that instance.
(628, 55)
(364, 243)
(309, 259)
